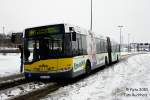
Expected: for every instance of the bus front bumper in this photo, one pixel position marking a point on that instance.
(66, 74)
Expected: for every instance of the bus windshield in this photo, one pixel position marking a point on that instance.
(43, 48)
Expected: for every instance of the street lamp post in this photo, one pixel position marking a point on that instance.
(91, 16)
(120, 27)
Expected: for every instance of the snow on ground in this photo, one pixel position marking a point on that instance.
(127, 80)
(9, 64)
(21, 89)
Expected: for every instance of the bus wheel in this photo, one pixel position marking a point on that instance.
(106, 61)
(88, 67)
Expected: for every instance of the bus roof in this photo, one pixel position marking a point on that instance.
(66, 26)
(44, 26)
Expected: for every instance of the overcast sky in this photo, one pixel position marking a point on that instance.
(15, 15)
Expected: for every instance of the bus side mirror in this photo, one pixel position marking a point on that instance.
(73, 36)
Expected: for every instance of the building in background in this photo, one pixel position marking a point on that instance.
(139, 47)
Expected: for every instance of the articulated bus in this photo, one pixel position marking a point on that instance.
(65, 51)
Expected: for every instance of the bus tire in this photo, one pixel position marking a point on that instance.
(88, 67)
(106, 61)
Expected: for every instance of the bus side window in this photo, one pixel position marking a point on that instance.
(104, 46)
(101, 47)
(97, 45)
(80, 45)
(67, 45)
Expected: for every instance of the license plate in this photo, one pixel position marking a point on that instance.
(45, 77)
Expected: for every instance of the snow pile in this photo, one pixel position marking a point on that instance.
(9, 64)
(127, 80)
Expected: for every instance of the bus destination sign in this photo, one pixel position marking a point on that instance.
(43, 31)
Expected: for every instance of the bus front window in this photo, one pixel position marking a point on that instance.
(44, 48)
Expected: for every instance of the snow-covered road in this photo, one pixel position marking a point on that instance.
(127, 80)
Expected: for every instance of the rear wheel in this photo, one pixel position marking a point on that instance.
(88, 67)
